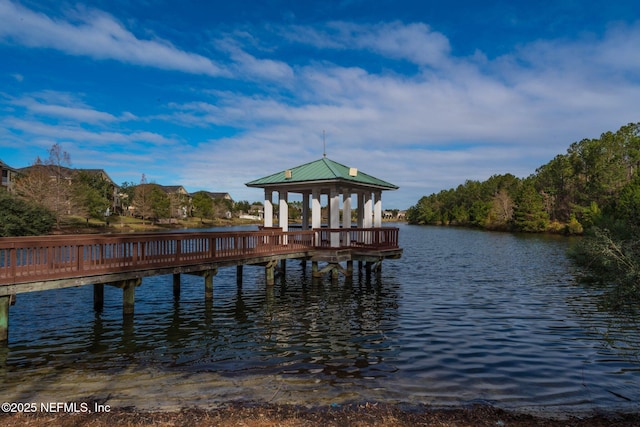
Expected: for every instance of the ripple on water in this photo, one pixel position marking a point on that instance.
(464, 316)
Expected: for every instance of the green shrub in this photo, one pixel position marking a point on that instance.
(22, 218)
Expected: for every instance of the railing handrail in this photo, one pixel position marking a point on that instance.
(26, 259)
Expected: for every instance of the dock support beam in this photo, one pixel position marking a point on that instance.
(129, 295)
(98, 296)
(176, 286)
(4, 319)
(269, 272)
(239, 272)
(208, 283)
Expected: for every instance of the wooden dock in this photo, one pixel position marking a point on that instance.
(31, 264)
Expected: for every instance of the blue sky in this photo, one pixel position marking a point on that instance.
(213, 94)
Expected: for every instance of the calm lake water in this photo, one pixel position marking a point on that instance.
(464, 317)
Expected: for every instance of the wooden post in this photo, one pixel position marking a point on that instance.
(239, 275)
(314, 268)
(208, 284)
(4, 319)
(269, 272)
(176, 286)
(349, 268)
(98, 296)
(283, 267)
(129, 296)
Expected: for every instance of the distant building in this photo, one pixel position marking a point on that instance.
(394, 215)
(222, 204)
(8, 176)
(180, 200)
(69, 174)
(214, 195)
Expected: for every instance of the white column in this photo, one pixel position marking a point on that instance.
(268, 208)
(316, 209)
(377, 210)
(360, 210)
(334, 216)
(316, 213)
(346, 215)
(368, 207)
(283, 220)
(305, 211)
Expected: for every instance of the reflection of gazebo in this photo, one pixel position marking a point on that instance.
(325, 177)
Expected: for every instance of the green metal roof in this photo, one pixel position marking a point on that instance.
(323, 170)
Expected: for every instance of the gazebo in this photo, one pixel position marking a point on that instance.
(330, 178)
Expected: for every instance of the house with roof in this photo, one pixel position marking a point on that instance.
(8, 176)
(68, 175)
(179, 200)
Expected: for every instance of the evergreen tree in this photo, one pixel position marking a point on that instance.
(91, 195)
(529, 214)
(202, 205)
(22, 218)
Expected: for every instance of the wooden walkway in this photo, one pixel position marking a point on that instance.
(29, 264)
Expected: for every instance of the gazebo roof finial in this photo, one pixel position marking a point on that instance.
(324, 144)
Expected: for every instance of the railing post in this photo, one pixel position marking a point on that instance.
(136, 248)
(79, 257)
(13, 261)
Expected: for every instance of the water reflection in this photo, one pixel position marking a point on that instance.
(463, 316)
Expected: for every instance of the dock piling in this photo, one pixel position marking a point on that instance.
(176, 286)
(129, 296)
(208, 284)
(98, 296)
(239, 272)
(269, 272)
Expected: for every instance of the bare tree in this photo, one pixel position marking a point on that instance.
(49, 183)
(142, 201)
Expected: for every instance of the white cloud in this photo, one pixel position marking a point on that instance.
(432, 130)
(99, 36)
(63, 106)
(414, 42)
(73, 132)
(448, 119)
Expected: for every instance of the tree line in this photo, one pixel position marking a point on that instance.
(50, 192)
(595, 178)
(592, 189)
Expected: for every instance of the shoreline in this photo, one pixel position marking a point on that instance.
(355, 414)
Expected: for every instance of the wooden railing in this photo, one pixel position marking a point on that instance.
(28, 259)
(31, 259)
(362, 238)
